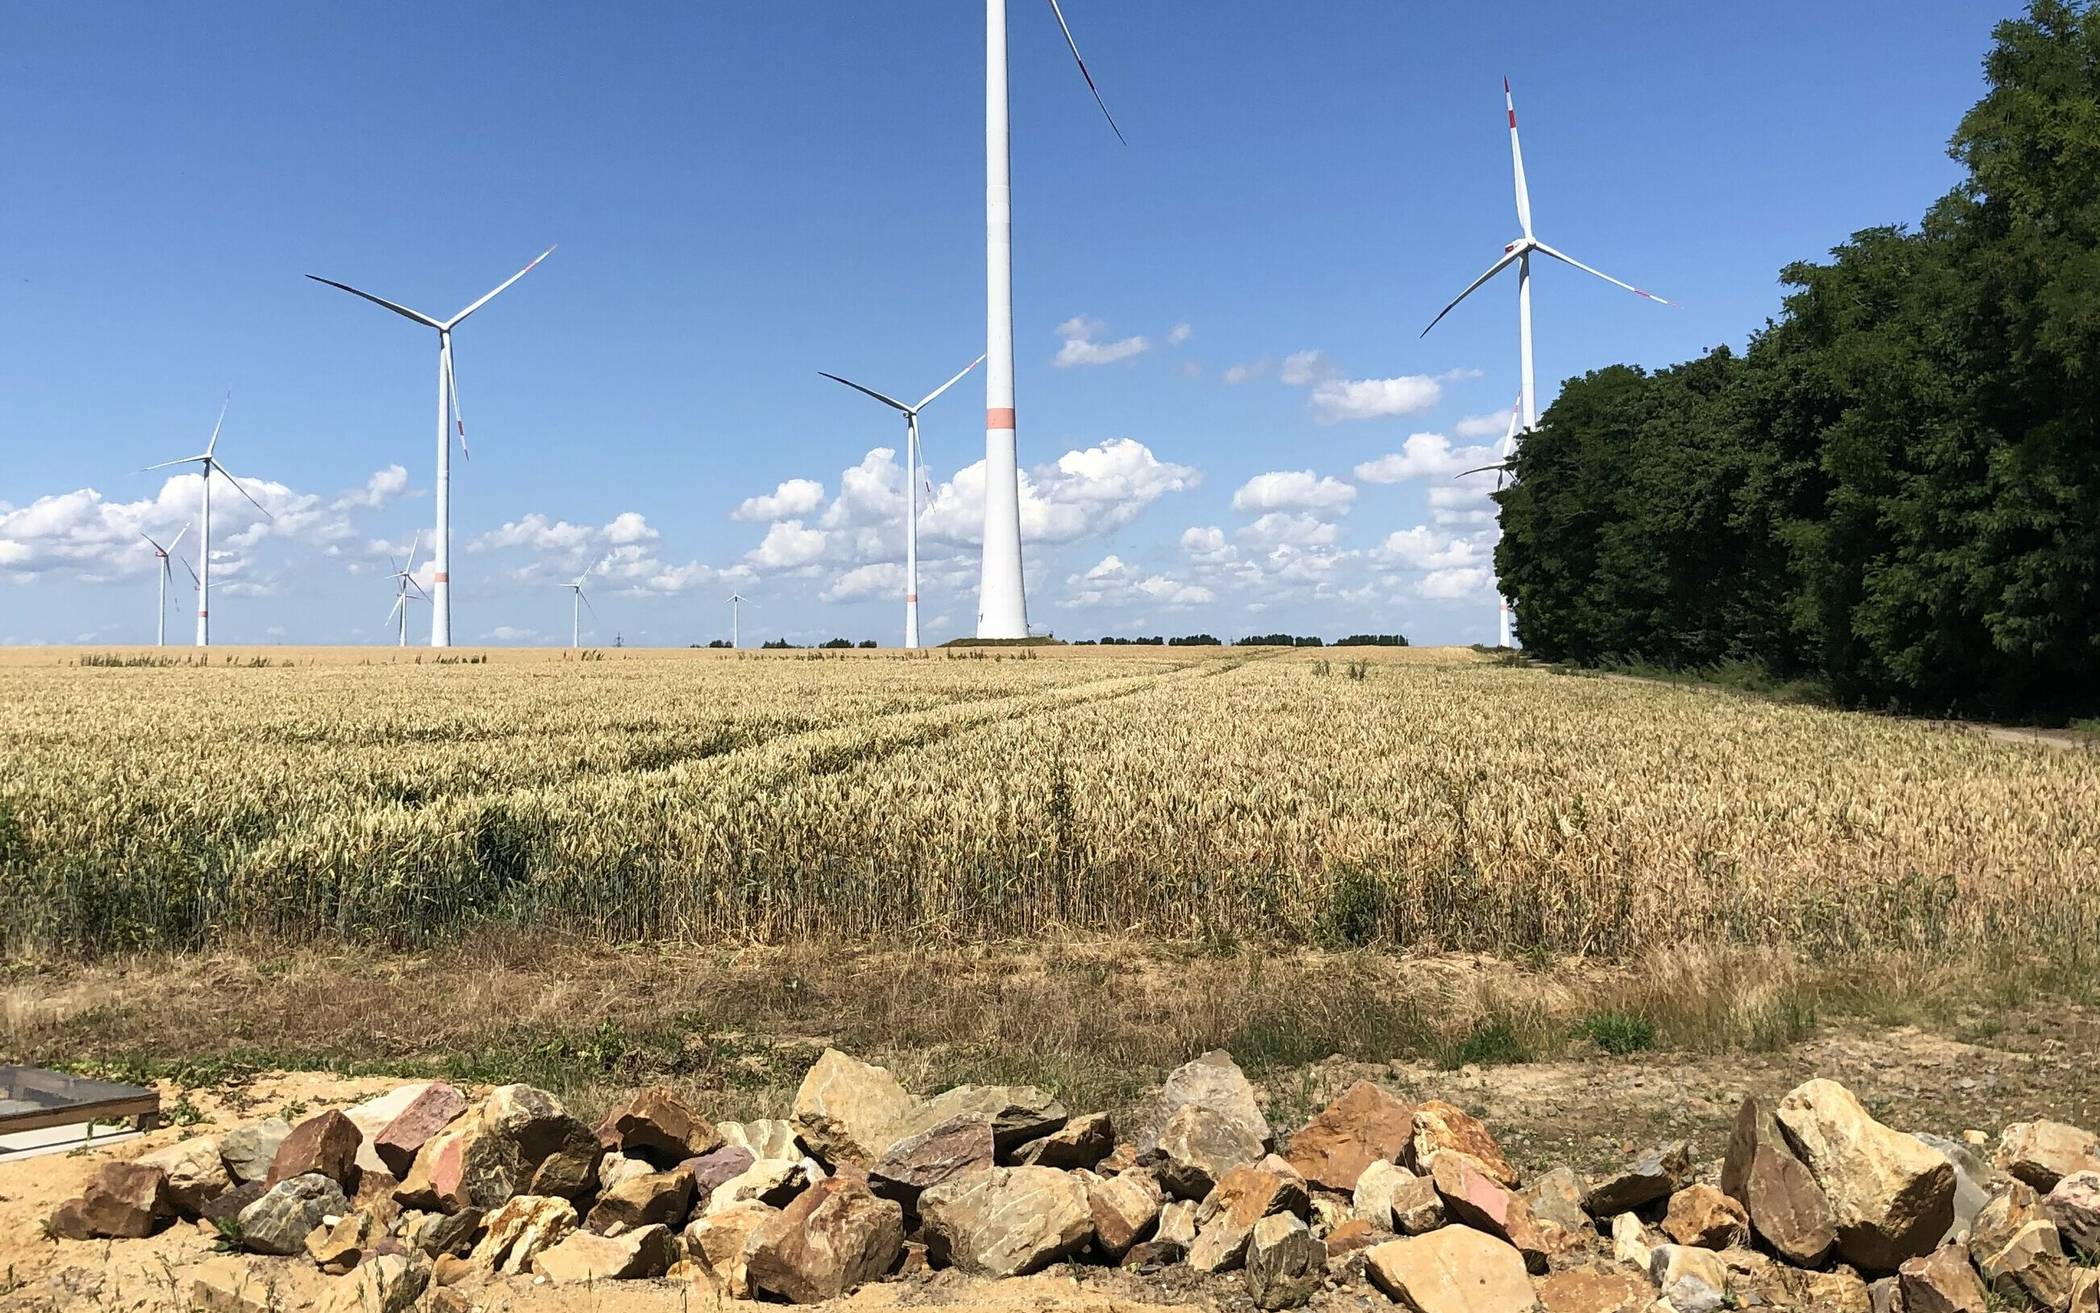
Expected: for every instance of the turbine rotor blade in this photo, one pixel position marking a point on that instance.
(1508, 258)
(179, 534)
(401, 310)
(213, 445)
(587, 603)
(887, 401)
(413, 543)
(195, 582)
(1640, 292)
(457, 319)
(166, 463)
(1080, 60)
(949, 384)
(239, 489)
(156, 546)
(395, 609)
(459, 421)
(1516, 155)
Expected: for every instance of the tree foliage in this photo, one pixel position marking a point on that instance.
(1896, 487)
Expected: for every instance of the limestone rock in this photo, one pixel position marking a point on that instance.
(196, 1173)
(1417, 1208)
(1840, 1290)
(1441, 1126)
(1701, 1215)
(2041, 1153)
(658, 1125)
(1631, 1243)
(1654, 1176)
(226, 1284)
(1472, 1196)
(2030, 1264)
(1885, 1296)
(1582, 1290)
(2085, 1291)
(942, 1151)
(389, 1283)
(765, 1138)
(439, 1234)
(2074, 1205)
(1081, 1142)
(338, 1248)
(1891, 1197)
(616, 1167)
(1555, 1199)
(1213, 1082)
(325, 1144)
(1372, 1197)
(832, 1238)
(1177, 1222)
(249, 1150)
(847, 1110)
(1198, 1145)
(1365, 1125)
(1694, 1280)
(1125, 1209)
(434, 1107)
(1786, 1206)
(660, 1198)
(1007, 1221)
(125, 1201)
(1941, 1282)
(1243, 1196)
(717, 1240)
(520, 1229)
(278, 1222)
(1018, 1114)
(774, 1181)
(1285, 1262)
(1455, 1270)
(646, 1251)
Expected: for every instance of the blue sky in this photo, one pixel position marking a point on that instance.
(746, 193)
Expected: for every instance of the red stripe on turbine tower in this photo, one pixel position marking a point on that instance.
(999, 418)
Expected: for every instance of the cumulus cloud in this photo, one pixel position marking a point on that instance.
(1424, 456)
(1301, 368)
(384, 486)
(792, 498)
(1080, 348)
(1285, 529)
(1083, 493)
(788, 546)
(1494, 424)
(1207, 545)
(1180, 333)
(1452, 585)
(1427, 548)
(878, 579)
(1115, 582)
(1247, 372)
(535, 532)
(1293, 490)
(628, 528)
(1467, 503)
(1336, 400)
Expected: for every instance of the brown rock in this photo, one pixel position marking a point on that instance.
(1008, 1221)
(1364, 1126)
(1440, 1126)
(1081, 1142)
(2085, 1291)
(1197, 1146)
(765, 1138)
(718, 1240)
(832, 1238)
(1581, 1290)
(520, 1140)
(659, 1126)
(520, 1228)
(1840, 1290)
(1786, 1206)
(2041, 1153)
(2029, 1265)
(646, 1251)
(1891, 1197)
(431, 1111)
(1243, 1196)
(336, 1249)
(325, 1144)
(1693, 1280)
(227, 1207)
(1018, 1114)
(1285, 1262)
(848, 1111)
(440, 1234)
(388, 1283)
(658, 1199)
(2074, 1205)
(1349, 1236)
(1125, 1209)
(226, 1284)
(1941, 1282)
(249, 1150)
(1555, 1199)
(1152, 1255)
(1703, 1216)
(773, 1181)
(1455, 1270)
(1470, 1195)
(125, 1201)
(196, 1173)
(1417, 1208)
(1650, 1178)
(941, 1152)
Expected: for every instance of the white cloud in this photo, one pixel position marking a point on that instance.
(1080, 348)
(1293, 490)
(513, 634)
(1303, 367)
(871, 493)
(381, 488)
(1494, 424)
(1424, 456)
(1085, 492)
(629, 528)
(1336, 399)
(792, 498)
(1252, 369)
(880, 579)
(1114, 582)
(1206, 545)
(1461, 503)
(1283, 529)
(1452, 585)
(1427, 548)
(788, 546)
(1180, 333)
(536, 532)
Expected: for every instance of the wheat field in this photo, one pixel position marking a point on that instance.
(1424, 798)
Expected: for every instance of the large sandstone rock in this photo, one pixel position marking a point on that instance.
(434, 1107)
(1455, 1270)
(1786, 1206)
(1125, 1209)
(226, 1284)
(1372, 1198)
(658, 1125)
(1197, 1146)
(249, 1150)
(338, 1248)
(1441, 1126)
(1365, 1125)
(646, 1251)
(196, 1173)
(773, 1181)
(278, 1222)
(1891, 1197)
(658, 1199)
(519, 1141)
(1017, 1113)
(1941, 1282)
(325, 1144)
(520, 1229)
(2029, 1265)
(717, 1242)
(1081, 1142)
(1555, 1199)
(1583, 1290)
(942, 1151)
(849, 1111)
(1701, 1215)
(765, 1138)
(1006, 1222)
(2041, 1153)
(389, 1283)
(1654, 1176)
(1213, 1082)
(1472, 1196)
(1693, 1280)
(372, 1115)
(1285, 1262)
(1226, 1218)
(125, 1201)
(833, 1237)
(439, 1234)
(2074, 1205)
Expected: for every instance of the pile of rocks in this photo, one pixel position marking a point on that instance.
(423, 1194)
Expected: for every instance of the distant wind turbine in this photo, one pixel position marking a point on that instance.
(210, 464)
(577, 602)
(406, 589)
(1002, 600)
(736, 616)
(448, 416)
(911, 488)
(1505, 465)
(166, 572)
(1518, 252)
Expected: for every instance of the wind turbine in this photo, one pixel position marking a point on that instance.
(578, 602)
(447, 414)
(211, 465)
(1505, 464)
(404, 578)
(1518, 252)
(1002, 602)
(911, 488)
(736, 616)
(160, 637)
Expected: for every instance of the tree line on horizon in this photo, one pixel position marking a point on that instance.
(1894, 492)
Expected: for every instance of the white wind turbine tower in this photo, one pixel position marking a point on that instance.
(1518, 253)
(1002, 602)
(211, 466)
(167, 572)
(448, 416)
(911, 488)
(736, 618)
(406, 589)
(577, 602)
